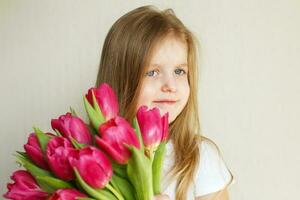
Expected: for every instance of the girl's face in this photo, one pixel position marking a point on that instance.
(165, 85)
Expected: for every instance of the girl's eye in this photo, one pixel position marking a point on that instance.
(180, 70)
(151, 73)
(177, 71)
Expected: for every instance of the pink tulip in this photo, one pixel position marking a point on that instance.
(66, 194)
(154, 128)
(114, 134)
(93, 166)
(106, 100)
(71, 126)
(58, 150)
(34, 151)
(24, 188)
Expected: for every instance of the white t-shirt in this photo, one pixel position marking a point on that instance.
(211, 176)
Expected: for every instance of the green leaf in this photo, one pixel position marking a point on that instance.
(91, 129)
(42, 137)
(139, 170)
(124, 187)
(120, 170)
(114, 191)
(100, 194)
(50, 184)
(57, 132)
(138, 132)
(23, 154)
(114, 184)
(94, 117)
(73, 112)
(83, 198)
(76, 144)
(97, 108)
(32, 168)
(157, 167)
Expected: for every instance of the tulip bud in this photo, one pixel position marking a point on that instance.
(153, 127)
(24, 188)
(114, 134)
(58, 150)
(106, 100)
(34, 151)
(93, 166)
(66, 194)
(71, 126)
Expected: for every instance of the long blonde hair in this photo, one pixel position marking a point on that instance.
(125, 56)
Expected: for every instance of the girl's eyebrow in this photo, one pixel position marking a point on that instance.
(182, 65)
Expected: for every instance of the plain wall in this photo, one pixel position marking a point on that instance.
(249, 87)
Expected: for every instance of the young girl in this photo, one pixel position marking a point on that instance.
(149, 58)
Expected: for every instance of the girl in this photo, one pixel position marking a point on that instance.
(149, 58)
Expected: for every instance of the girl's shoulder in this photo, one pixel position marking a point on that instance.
(212, 173)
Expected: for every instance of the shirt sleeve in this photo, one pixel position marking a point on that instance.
(212, 174)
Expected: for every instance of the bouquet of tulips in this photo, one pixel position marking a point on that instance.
(106, 159)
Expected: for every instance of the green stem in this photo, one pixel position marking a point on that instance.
(152, 154)
(115, 192)
(157, 167)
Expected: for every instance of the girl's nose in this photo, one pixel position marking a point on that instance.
(169, 85)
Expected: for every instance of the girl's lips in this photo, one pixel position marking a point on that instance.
(165, 102)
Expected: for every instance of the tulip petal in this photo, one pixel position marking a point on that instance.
(108, 101)
(24, 187)
(57, 153)
(34, 151)
(116, 155)
(94, 167)
(115, 134)
(98, 194)
(165, 127)
(150, 125)
(72, 126)
(67, 194)
(80, 132)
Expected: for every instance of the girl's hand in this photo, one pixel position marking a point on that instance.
(161, 197)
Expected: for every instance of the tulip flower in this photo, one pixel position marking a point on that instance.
(114, 134)
(24, 188)
(66, 194)
(58, 150)
(106, 100)
(72, 126)
(154, 131)
(153, 127)
(34, 151)
(93, 166)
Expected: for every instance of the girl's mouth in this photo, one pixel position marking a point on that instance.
(165, 102)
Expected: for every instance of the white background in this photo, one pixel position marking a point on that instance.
(249, 88)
